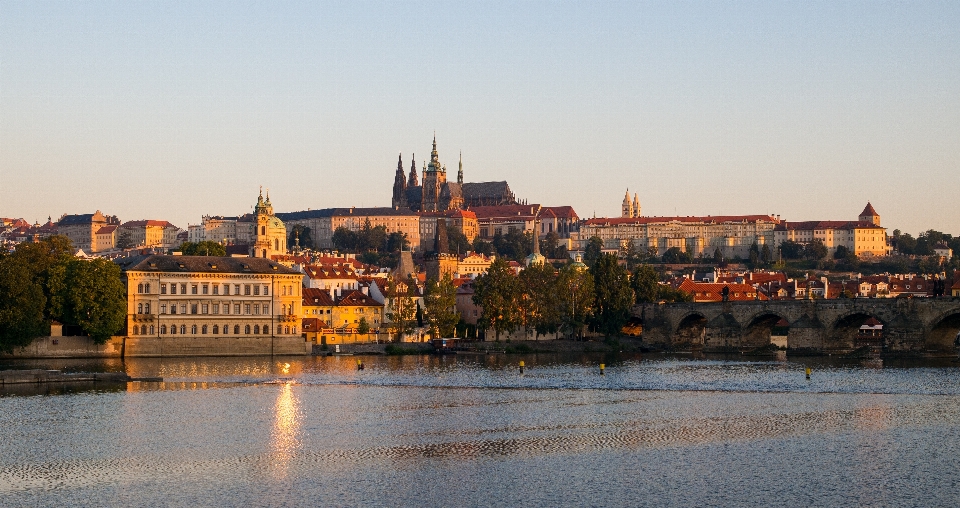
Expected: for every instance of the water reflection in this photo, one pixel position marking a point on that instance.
(285, 438)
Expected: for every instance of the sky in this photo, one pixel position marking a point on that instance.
(170, 111)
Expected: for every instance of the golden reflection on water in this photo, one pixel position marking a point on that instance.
(285, 438)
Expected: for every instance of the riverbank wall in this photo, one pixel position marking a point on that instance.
(69, 347)
(147, 347)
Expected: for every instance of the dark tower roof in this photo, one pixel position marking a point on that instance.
(413, 182)
(869, 211)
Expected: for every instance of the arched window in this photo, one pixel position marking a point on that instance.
(276, 244)
(163, 329)
(151, 330)
(264, 253)
(256, 329)
(216, 329)
(286, 329)
(236, 329)
(183, 329)
(294, 330)
(246, 330)
(140, 288)
(193, 329)
(284, 309)
(140, 308)
(266, 329)
(203, 329)
(173, 329)
(146, 288)
(263, 230)
(135, 330)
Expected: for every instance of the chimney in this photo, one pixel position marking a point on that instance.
(366, 290)
(331, 292)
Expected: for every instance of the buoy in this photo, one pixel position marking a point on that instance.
(521, 366)
(359, 365)
(602, 366)
(808, 372)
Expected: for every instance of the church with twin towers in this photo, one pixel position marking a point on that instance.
(432, 192)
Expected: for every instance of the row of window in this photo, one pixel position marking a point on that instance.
(203, 329)
(207, 288)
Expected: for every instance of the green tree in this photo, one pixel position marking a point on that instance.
(22, 304)
(440, 300)
(550, 246)
(498, 292)
(645, 283)
(765, 255)
(841, 252)
(815, 250)
(401, 307)
(593, 251)
(575, 299)
(674, 255)
(363, 327)
(345, 239)
(301, 232)
(95, 298)
(125, 240)
(632, 255)
(482, 247)
(205, 248)
(539, 298)
(46, 262)
(457, 242)
(613, 295)
(791, 250)
(397, 241)
(717, 256)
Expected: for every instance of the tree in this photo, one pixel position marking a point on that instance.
(482, 247)
(440, 299)
(613, 295)
(345, 239)
(497, 292)
(593, 251)
(815, 250)
(22, 305)
(717, 256)
(95, 298)
(301, 232)
(791, 250)
(205, 248)
(457, 242)
(575, 299)
(632, 255)
(841, 252)
(550, 246)
(645, 283)
(765, 255)
(539, 298)
(674, 255)
(401, 307)
(363, 327)
(125, 240)
(397, 241)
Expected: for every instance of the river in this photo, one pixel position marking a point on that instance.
(472, 431)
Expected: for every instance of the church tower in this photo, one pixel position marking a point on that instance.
(400, 186)
(433, 179)
(636, 205)
(870, 215)
(270, 235)
(414, 182)
(460, 172)
(626, 209)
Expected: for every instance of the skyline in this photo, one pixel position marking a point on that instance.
(173, 111)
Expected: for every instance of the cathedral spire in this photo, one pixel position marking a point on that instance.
(460, 172)
(400, 185)
(413, 182)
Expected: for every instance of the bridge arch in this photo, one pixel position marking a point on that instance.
(690, 329)
(845, 332)
(943, 331)
(760, 328)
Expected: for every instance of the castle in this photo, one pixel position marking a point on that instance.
(436, 194)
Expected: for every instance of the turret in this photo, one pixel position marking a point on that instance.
(636, 205)
(413, 172)
(399, 185)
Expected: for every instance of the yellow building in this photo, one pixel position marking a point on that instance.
(150, 233)
(864, 237)
(194, 298)
(332, 317)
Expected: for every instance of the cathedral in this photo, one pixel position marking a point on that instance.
(433, 193)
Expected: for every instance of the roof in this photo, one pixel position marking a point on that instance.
(106, 230)
(204, 264)
(330, 272)
(562, 212)
(340, 212)
(480, 190)
(146, 223)
(74, 220)
(711, 291)
(826, 224)
(486, 212)
(869, 211)
(313, 297)
(709, 219)
(310, 324)
(358, 299)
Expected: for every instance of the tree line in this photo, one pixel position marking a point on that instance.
(42, 282)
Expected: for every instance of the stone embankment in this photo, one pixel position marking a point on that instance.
(10, 377)
(616, 344)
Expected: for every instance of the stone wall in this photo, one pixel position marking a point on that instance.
(69, 347)
(215, 346)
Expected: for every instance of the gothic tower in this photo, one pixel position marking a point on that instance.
(400, 186)
(414, 182)
(460, 172)
(433, 179)
(626, 209)
(636, 205)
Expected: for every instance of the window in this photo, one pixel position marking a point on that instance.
(216, 289)
(266, 308)
(216, 307)
(216, 328)
(146, 287)
(183, 308)
(139, 308)
(256, 329)
(266, 329)
(183, 289)
(193, 289)
(236, 289)
(266, 290)
(236, 329)
(146, 308)
(163, 289)
(256, 309)
(246, 329)
(163, 329)
(286, 329)
(135, 330)
(246, 289)
(204, 309)
(205, 289)
(283, 290)
(139, 289)
(246, 308)
(151, 330)
(203, 329)
(256, 290)
(236, 308)
(173, 289)
(183, 329)
(173, 329)
(193, 308)
(284, 306)
(173, 308)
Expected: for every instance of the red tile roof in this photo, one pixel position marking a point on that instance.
(868, 210)
(106, 230)
(313, 297)
(826, 224)
(563, 212)
(662, 220)
(712, 292)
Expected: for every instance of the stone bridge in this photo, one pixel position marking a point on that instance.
(912, 326)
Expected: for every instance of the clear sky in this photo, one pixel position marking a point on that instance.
(166, 110)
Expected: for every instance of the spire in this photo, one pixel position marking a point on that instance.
(626, 209)
(400, 185)
(460, 172)
(413, 182)
(536, 239)
(636, 205)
